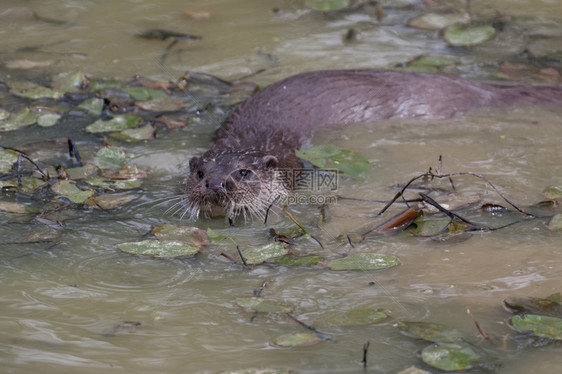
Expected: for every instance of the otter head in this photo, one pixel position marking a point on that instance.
(232, 183)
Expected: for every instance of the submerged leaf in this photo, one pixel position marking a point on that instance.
(555, 223)
(7, 159)
(258, 371)
(157, 248)
(73, 82)
(93, 106)
(292, 260)
(111, 157)
(355, 317)
(193, 235)
(109, 201)
(297, 340)
(450, 357)
(30, 184)
(31, 90)
(429, 227)
(125, 172)
(134, 135)
(161, 104)
(364, 261)
(433, 332)
(69, 191)
(113, 185)
(143, 93)
(550, 306)
(82, 172)
(258, 304)
(438, 21)
(6, 206)
(41, 234)
(544, 326)
(349, 163)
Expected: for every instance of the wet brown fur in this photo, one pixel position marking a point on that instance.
(263, 132)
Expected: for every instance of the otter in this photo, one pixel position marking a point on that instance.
(243, 170)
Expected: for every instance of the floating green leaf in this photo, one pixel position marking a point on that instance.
(258, 304)
(327, 5)
(48, 119)
(258, 255)
(31, 90)
(349, 163)
(292, 260)
(7, 159)
(450, 357)
(461, 36)
(22, 118)
(69, 191)
(157, 248)
(364, 261)
(553, 193)
(544, 326)
(297, 340)
(134, 135)
(118, 123)
(111, 157)
(193, 235)
(430, 64)
(438, 21)
(355, 317)
(433, 61)
(433, 332)
(143, 93)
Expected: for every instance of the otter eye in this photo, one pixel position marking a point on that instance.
(200, 174)
(244, 172)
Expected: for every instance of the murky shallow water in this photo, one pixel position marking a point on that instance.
(61, 303)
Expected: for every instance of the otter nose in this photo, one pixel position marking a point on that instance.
(215, 184)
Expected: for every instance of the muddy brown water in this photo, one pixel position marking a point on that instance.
(63, 307)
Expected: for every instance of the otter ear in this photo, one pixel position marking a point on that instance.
(195, 163)
(270, 161)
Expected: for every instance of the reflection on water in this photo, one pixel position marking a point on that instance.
(80, 305)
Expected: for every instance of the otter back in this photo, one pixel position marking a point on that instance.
(239, 174)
